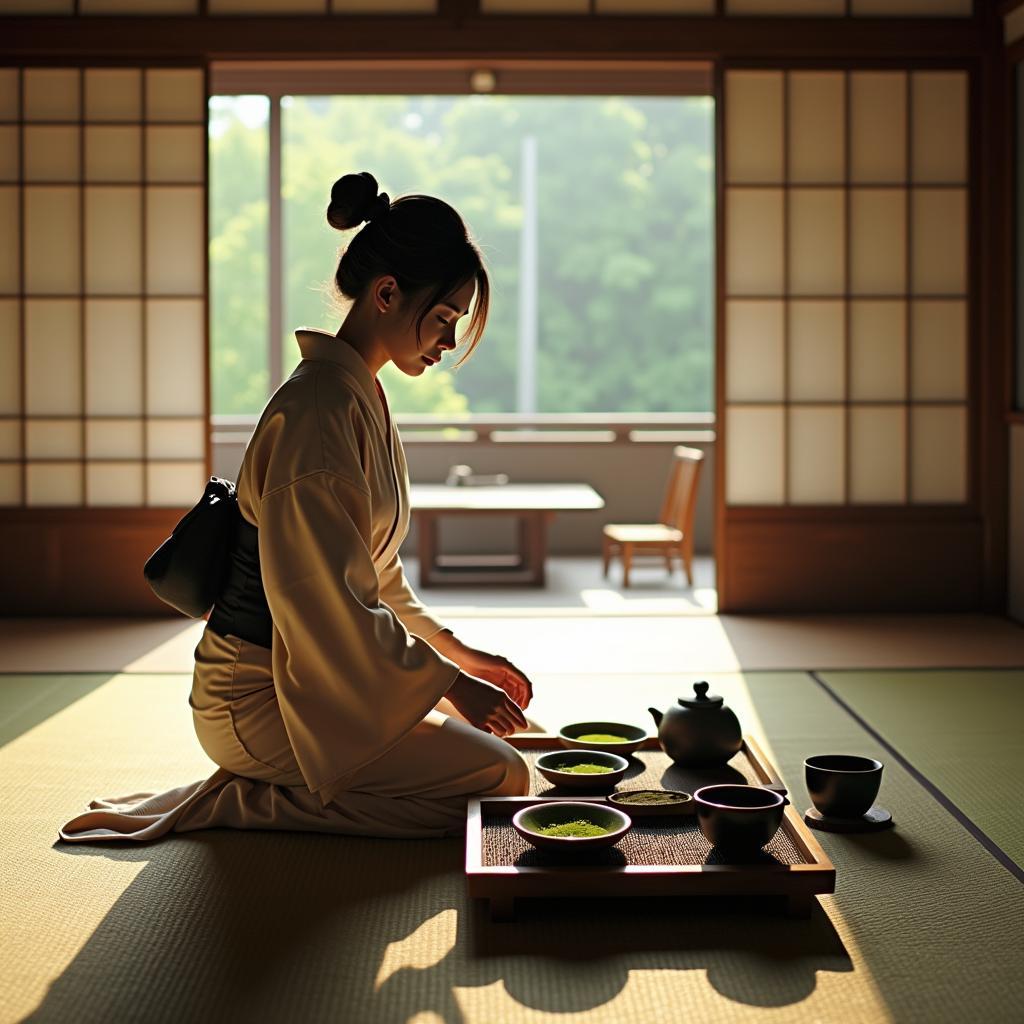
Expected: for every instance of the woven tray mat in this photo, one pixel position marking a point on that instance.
(668, 841)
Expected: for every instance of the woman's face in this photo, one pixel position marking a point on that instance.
(437, 334)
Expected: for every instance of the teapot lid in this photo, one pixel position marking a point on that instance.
(703, 699)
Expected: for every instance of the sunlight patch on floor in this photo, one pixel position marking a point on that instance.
(424, 948)
(178, 649)
(45, 883)
(608, 600)
(100, 744)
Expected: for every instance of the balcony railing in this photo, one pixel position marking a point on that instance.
(517, 428)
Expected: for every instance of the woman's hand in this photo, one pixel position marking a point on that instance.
(485, 705)
(492, 667)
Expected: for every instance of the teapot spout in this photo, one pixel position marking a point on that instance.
(657, 716)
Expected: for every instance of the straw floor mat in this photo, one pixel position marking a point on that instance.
(964, 730)
(568, 640)
(259, 926)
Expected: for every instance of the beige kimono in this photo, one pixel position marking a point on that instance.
(342, 726)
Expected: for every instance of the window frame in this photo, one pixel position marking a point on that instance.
(276, 79)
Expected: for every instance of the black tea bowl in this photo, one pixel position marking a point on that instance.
(842, 785)
(739, 819)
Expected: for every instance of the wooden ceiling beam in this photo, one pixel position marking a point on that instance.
(26, 39)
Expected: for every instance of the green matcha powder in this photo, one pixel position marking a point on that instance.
(574, 829)
(650, 796)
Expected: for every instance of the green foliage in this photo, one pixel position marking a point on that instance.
(625, 213)
(238, 261)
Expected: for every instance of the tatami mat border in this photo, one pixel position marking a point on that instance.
(982, 837)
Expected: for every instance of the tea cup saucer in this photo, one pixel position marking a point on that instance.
(875, 819)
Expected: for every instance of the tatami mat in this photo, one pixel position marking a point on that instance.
(217, 925)
(963, 730)
(561, 640)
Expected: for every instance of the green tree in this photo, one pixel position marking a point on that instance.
(238, 259)
(626, 237)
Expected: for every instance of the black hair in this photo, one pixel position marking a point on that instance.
(419, 240)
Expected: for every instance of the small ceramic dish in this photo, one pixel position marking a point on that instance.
(549, 764)
(530, 820)
(569, 736)
(683, 804)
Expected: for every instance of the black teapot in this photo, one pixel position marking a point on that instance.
(701, 732)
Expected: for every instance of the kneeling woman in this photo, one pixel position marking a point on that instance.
(330, 698)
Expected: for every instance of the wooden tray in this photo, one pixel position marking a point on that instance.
(657, 857)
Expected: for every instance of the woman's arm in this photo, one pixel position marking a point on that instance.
(398, 595)
(350, 680)
(446, 642)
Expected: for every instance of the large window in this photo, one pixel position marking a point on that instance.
(595, 215)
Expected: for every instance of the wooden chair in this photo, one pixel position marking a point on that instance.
(673, 534)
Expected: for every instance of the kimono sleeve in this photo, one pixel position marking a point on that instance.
(351, 681)
(399, 596)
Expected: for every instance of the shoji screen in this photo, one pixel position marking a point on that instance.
(854, 8)
(103, 398)
(846, 241)
(164, 7)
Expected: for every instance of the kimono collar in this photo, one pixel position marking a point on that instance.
(316, 344)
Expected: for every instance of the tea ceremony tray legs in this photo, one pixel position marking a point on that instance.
(657, 857)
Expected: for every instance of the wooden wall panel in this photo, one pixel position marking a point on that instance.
(89, 564)
(817, 564)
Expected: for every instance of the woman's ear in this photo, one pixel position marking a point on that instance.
(386, 294)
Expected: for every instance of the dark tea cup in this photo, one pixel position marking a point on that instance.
(842, 785)
(739, 819)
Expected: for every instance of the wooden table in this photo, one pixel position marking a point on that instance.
(533, 505)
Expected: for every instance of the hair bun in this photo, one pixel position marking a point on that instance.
(354, 199)
(378, 207)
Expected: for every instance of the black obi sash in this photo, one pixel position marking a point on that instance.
(241, 608)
